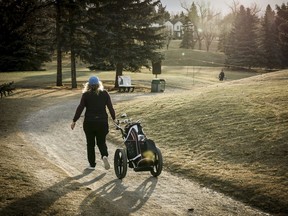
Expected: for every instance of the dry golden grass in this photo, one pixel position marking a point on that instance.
(230, 136)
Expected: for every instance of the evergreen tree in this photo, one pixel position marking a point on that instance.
(191, 23)
(188, 40)
(195, 19)
(193, 15)
(225, 25)
(58, 26)
(282, 27)
(72, 35)
(25, 35)
(242, 49)
(75, 35)
(165, 15)
(270, 43)
(124, 34)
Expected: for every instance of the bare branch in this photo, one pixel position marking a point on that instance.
(184, 5)
(235, 6)
(255, 8)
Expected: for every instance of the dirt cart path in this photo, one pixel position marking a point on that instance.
(137, 194)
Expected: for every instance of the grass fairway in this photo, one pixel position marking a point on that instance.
(176, 56)
(230, 136)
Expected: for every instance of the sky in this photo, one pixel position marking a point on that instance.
(174, 6)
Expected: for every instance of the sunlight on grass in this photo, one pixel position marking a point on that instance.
(233, 133)
(230, 136)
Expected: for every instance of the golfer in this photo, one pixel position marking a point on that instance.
(95, 99)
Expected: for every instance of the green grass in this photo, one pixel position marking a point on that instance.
(176, 56)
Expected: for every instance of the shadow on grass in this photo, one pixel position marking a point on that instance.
(247, 195)
(42, 200)
(120, 200)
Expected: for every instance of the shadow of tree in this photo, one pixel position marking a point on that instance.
(39, 202)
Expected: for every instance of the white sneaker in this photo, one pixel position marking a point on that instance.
(91, 168)
(106, 163)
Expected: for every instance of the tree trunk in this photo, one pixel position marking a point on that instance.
(73, 68)
(72, 44)
(59, 45)
(119, 72)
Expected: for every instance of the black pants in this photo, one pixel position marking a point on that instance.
(95, 131)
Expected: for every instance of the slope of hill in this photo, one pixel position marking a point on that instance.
(231, 136)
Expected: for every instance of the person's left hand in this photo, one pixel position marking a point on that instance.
(73, 125)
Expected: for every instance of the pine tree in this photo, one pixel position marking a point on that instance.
(195, 19)
(270, 43)
(58, 35)
(188, 40)
(282, 27)
(25, 39)
(165, 15)
(193, 15)
(72, 34)
(124, 35)
(242, 49)
(225, 25)
(191, 24)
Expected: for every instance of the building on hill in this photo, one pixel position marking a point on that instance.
(178, 29)
(169, 27)
(174, 29)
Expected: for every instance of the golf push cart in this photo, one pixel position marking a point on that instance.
(139, 153)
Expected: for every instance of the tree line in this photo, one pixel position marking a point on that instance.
(112, 33)
(257, 42)
(247, 39)
(120, 35)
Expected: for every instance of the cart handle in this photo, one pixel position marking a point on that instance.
(118, 127)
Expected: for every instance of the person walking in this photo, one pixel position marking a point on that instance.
(221, 75)
(95, 99)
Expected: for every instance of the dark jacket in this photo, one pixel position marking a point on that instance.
(95, 107)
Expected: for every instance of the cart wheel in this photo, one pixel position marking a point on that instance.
(158, 164)
(120, 163)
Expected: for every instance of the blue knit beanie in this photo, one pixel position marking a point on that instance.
(93, 80)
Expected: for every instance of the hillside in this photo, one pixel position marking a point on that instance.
(230, 136)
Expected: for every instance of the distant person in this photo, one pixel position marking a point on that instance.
(221, 75)
(95, 99)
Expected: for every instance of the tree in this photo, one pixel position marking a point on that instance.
(58, 19)
(204, 22)
(25, 35)
(72, 25)
(188, 40)
(124, 35)
(74, 35)
(270, 43)
(242, 49)
(282, 27)
(225, 27)
(193, 14)
(164, 14)
(208, 20)
(190, 27)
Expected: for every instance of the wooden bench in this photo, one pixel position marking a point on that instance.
(124, 83)
(6, 88)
